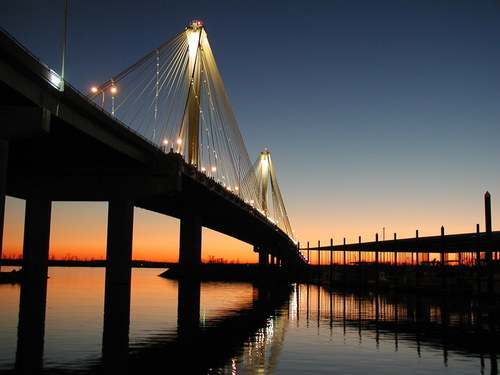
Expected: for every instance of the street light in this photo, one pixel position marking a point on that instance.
(113, 93)
(165, 143)
(94, 90)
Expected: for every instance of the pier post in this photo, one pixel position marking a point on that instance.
(377, 267)
(308, 253)
(344, 269)
(443, 260)
(488, 250)
(190, 241)
(396, 271)
(331, 262)
(478, 258)
(36, 238)
(360, 276)
(319, 262)
(418, 260)
(4, 154)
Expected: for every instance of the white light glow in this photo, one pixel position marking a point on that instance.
(55, 80)
(193, 36)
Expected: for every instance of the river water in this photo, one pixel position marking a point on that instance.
(239, 328)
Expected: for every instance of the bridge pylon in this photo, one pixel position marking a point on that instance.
(191, 118)
(269, 193)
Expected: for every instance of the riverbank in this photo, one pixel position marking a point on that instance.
(90, 263)
(220, 272)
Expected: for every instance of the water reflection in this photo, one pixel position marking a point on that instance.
(425, 323)
(194, 350)
(277, 329)
(31, 328)
(115, 337)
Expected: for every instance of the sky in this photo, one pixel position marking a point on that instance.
(381, 116)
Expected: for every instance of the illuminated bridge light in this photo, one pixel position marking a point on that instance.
(55, 80)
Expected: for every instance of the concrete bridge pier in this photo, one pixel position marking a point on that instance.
(263, 256)
(4, 154)
(36, 238)
(190, 241)
(118, 283)
(119, 241)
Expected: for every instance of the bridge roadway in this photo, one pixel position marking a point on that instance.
(58, 146)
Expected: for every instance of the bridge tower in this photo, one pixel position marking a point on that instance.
(269, 193)
(263, 178)
(190, 128)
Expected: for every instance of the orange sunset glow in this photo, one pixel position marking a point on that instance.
(78, 231)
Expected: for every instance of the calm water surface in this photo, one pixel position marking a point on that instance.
(242, 328)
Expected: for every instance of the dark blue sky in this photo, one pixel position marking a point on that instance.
(377, 113)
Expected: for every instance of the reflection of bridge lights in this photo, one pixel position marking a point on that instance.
(233, 366)
(294, 303)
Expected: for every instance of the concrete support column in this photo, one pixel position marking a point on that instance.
(263, 259)
(119, 242)
(117, 286)
(4, 154)
(36, 239)
(190, 241)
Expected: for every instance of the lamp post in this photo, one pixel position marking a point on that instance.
(63, 57)
(113, 93)
(94, 91)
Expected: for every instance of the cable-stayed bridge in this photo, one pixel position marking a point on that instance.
(161, 135)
